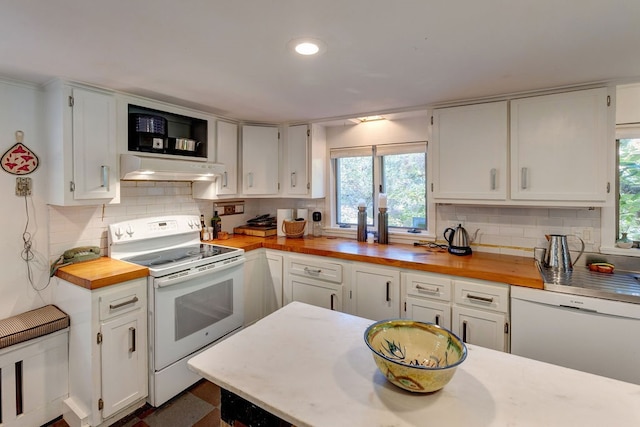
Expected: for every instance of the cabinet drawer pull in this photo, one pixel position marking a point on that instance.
(122, 304)
(250, 176)
(477, 298)
(331, 301)
(523, 178)
(494, 174)
(224, 179)
(426, 289)
(312, 272)
(388, 290)
(293, 180)
(132, 337)
(464, 331)
(438, 319)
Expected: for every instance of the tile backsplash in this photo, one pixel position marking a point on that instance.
(87, 225)
(517, 230)
(506, 230)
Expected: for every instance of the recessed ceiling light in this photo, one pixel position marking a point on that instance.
(307, 46)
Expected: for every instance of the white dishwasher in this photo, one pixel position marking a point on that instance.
(596, 335)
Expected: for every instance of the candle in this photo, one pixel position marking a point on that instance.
(382, 200)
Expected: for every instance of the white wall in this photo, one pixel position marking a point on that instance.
(20, 109)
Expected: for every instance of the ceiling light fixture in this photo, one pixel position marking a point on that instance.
(307, 46)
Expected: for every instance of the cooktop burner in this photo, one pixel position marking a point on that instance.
(178, 255)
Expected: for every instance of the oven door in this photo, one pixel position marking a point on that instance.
(196, 310)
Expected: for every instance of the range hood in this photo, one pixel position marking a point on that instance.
(154, 169)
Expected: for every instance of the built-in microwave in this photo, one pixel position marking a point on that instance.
(154, 131)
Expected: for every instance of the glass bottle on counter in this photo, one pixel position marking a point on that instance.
(203, 227)
(317, 224)
(216, 225)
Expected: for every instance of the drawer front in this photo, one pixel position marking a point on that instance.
(123, 299)
(316, 269)
(486, 296)
(428, 286)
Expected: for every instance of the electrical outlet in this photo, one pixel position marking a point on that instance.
(23, 186)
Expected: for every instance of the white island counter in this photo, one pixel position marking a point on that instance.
(311, 367)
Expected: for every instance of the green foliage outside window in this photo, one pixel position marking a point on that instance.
(629, 197)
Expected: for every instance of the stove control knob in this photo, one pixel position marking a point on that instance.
(118, 232)
(129, 231)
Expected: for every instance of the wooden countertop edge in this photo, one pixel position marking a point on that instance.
(101, 272)
(500, 270)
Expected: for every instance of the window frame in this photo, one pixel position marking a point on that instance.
(377, 153)
(609, 213)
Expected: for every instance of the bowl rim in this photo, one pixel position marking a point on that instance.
(402, 322)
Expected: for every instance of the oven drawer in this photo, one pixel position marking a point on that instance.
(123, 298)
(316, 269)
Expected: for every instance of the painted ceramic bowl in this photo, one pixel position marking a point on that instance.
(416, 356)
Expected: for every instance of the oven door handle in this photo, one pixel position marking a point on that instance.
(180, 277)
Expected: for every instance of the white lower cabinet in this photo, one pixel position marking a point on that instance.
(481, 313)
(316, 281)
(254, 280)
(427, 298)
(375, 292)
(107, 350)
(275, 281)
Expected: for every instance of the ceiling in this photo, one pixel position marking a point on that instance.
(231, 57)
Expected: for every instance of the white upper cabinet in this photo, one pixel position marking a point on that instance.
(306, 161)
(628, 104)
(559, 147)
(469, 146)
(82, 159)
(227, 154)
(260, 155)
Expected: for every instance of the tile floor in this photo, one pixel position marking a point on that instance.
(199, 406)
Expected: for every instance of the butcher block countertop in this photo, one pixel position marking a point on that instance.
(514, 270)
(101, 272)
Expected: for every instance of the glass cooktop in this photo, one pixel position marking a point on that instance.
(181, 255)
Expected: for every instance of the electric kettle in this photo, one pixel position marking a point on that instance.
(557, 256)
(459, 240)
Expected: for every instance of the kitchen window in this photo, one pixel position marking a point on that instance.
(362, 173)
(628, 203)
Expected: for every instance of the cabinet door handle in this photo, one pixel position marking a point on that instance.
(250, 176)
(132, 338)
(478, 298)
(438, 319)
(122, 304)
(464, 331)
(523, 178)
(331, 301)
(312, 272)
(426, 289)
(388, 290)
(224, 179)
(105, 176)
(294, 180)
(494, 174)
